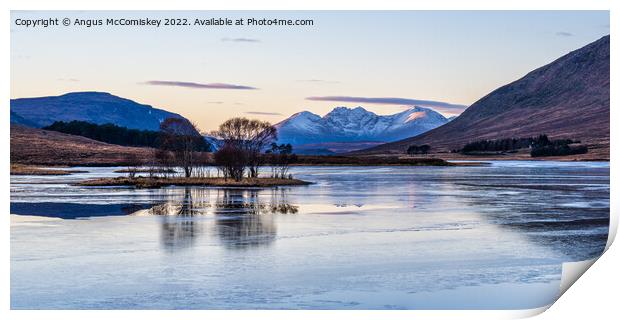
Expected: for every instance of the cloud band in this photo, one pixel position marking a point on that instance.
(196, 85)
(397, 101)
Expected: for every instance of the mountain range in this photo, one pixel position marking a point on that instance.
(94, 107)
(345, 129)
(567, 98)
(341, 130)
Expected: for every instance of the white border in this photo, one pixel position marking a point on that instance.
(593, 295)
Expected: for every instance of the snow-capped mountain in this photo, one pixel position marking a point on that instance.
(214, 142)
(345, 125)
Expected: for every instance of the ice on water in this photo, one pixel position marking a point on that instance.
(490, 237)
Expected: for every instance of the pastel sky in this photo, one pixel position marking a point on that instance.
(384, 61)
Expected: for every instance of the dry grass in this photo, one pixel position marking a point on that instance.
(594, 154)
(32, 146)
(307, 160)
(146, 182)
(24, 170)
(147, 170)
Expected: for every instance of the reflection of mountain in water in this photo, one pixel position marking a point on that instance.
(242, 217)
(73, 210)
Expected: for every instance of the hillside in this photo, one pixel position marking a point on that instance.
(568, 98)
(36, 146)
(93, 107)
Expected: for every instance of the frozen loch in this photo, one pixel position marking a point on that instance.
(479, 237)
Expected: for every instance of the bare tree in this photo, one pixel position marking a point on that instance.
(250, 137)
(231, 161)
(165, 159)
(181, 140)
(133, 164)
(280, 157)
(153, 164)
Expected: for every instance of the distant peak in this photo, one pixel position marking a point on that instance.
(416, 115)
(342, 111)
(418, 108)
(304, 114)
(87, 93)
(415, 109)
(77, 95)
(341, 108)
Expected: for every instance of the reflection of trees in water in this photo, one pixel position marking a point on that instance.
(178, 229)
(204, 201)
(250, 202)
(246, 231)
(244, 217)
(179, 233)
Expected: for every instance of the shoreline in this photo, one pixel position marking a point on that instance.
(33, 170)
(443, 159)
(146, 182)
(18, 169)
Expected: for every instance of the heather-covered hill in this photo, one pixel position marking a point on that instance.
(568, 98)
(93, 107)
(42, 147)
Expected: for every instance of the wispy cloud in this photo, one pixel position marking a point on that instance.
(222, 102)
(196, 85)
(444, 106)
(68, 79)
(263, 113)
(240, 40)
(564, 34)
(317, 81)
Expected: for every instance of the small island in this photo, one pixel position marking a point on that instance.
(147, 182)
(150, 171)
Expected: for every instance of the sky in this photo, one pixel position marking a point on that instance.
(385, 61)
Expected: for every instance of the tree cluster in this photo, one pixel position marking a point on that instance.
(243, 144)
(108, 133)
(181, 145)
(280, 157)
(500, 145)
(558, 149)
(423, 149)
(539, 146)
